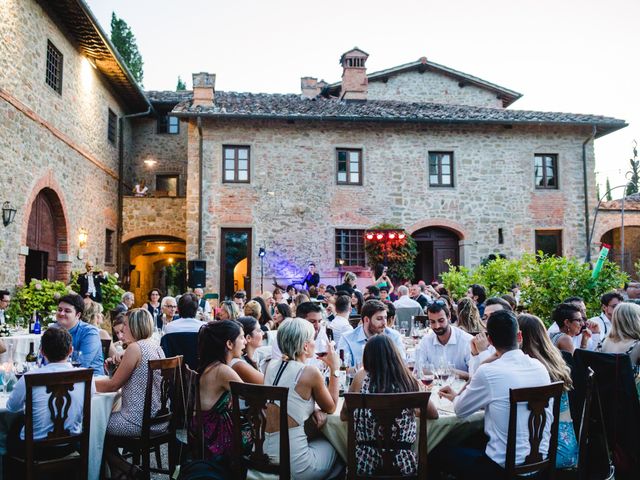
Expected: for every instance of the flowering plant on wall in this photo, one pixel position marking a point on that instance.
(397, 251)
(40, 295)
(111, 291)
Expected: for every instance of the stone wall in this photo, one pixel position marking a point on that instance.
(293, 204)
(168, 150)
(431, 86)
(54, 141)
(143, 217)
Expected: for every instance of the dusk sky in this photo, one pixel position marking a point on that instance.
(569, 55)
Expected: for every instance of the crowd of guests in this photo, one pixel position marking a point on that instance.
(311, 335)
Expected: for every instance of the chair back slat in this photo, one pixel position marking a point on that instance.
(195, 432)
(385, 409)
(170, 385)
(258, 398)
(537, 400)
(58, 385)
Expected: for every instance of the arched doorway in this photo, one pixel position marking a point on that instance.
(631, 247)
(46, 238)
(154, 262)
(435, 246)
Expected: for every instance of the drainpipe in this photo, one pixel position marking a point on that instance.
(586, 192)
(121, 185)
(200, 186)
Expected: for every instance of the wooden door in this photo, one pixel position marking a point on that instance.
(42, 241)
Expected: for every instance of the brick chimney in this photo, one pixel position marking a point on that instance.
(203, 88)
(354, 75)
(309, 87)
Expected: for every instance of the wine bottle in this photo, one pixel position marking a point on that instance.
(343, 373)
(31, 358)
(37, 326)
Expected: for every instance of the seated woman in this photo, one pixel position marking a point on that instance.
(93, 316)
(310, 459)
(469, 317)
(244, 365)
(219, 343)
(536, 344)
(281, 312)
(384, 372)
(625, 332)
(228, 311)
(131, 377)
(569, 319)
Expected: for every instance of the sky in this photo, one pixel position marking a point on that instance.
(579, 56)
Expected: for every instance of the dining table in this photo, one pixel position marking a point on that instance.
(102, 405)
(18, 344)
(447, 425)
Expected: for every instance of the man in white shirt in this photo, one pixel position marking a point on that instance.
(203, 304)
(187, 309)
(489, 389)
(480, 347)
(374, 322)
(340, 324)
(445, 342)
(608, 302)
(404, 300)
(56, 345)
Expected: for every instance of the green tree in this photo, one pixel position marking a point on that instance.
(181, 86)
(634, 181)
(125, 42)
(608, 187)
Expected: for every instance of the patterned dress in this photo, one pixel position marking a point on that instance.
(404, 430)
(128, 421)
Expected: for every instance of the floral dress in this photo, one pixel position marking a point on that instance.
(567, 455)
(217, 428)
(404, 430)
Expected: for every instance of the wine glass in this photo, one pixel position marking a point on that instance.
(76, 358)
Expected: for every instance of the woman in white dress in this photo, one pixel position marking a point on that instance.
(310, 459)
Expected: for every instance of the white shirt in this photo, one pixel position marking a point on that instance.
(489, 389)
(476, 360)
(340, 326)
(91, 286)
(406, 301)
(41, 414)
(183, 325)
(577, 340)
(457, 350)
(2, 319)
(605, 325)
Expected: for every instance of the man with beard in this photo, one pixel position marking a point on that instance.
(445, 342)
(374, 322)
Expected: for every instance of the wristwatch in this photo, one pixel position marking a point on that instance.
(336, 373)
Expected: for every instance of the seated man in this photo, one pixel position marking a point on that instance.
(480, 348)
(374, 322)
(86, 338)
(340, 322)
(489, 389)
(56, 346)
(445, 342)
(187, 309)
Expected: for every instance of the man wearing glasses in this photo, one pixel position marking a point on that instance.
(169, 311)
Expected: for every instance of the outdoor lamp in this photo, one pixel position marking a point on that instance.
(83, 236)
(262, 252)
(8, 213)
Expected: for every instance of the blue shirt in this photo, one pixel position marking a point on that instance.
(86, 339)
(353, 343)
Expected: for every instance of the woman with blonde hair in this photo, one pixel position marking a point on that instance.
(228, 311)
(625, 332)
(93, 316)
(469, 316)
(252, 309)
(536, 344)
(348, 283)
(131, 377)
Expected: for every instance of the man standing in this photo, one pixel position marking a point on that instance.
(203, 304)
(5, 300)
(85, 337)
(445, 343)
(89, 283)
(489, 389)
(312, 278)
(127, 301)
(374, 322)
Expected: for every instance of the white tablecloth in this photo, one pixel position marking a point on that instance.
(446, 426)
(101, 406)
(18, 347)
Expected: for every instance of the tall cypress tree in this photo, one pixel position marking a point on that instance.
(608, 192)
(125, 41)
(634, 180)
(181, 86)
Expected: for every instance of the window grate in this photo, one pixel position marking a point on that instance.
(54, 67)
(350, 247)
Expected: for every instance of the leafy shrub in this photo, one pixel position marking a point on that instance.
(40, 295)
(399, 255)
(544, 280)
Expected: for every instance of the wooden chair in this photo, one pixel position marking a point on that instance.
(256, 398)
(169, 393)
(386, 407)
(106, 345)
(195, 432)
(537, 399)
(59, 384)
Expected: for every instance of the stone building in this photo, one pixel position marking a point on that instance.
(64, 97)
(430, 149)
(435, 151)
(612, 215)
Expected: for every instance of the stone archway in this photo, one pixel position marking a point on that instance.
(631, 247)
(46, 238)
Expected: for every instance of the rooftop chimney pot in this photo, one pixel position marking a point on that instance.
(355, 83)
(203, 89)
